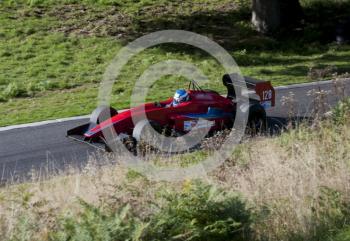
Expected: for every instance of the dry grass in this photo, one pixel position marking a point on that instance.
(287, 178)
(296, 184)
(44, 202)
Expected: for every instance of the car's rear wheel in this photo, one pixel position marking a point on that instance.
(257, 122)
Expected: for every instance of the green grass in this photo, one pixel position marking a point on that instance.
(53, 54)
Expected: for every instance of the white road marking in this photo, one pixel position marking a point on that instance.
(41, 123)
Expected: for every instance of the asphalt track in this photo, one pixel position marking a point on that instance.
(43, 147)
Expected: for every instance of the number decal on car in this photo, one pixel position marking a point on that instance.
(267, 95)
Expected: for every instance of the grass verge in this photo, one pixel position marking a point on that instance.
(49, 49)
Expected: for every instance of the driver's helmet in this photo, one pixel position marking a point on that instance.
(180, 96)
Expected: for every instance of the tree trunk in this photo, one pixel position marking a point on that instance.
(270, 15)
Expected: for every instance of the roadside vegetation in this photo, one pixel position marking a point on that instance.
(295, 186)
(54, 53)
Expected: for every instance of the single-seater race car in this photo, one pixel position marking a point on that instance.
(173, 115)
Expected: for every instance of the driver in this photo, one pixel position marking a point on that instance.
(179, 97)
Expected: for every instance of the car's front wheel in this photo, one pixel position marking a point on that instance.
(102, 113)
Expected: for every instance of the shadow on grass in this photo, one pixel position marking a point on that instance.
(230, 26)
(323, 17)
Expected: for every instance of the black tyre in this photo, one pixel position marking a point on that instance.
(257, 122)
(144, 146)
(129, 142)
(102, 113)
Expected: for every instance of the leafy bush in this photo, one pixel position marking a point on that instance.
(343, 235)
(330, 213)
(93, 224)
(201, 212)
(341, 112)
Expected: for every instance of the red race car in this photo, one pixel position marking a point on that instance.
(173, 116)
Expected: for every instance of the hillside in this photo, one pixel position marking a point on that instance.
(54, 53)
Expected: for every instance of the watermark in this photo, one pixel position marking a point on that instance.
(143, 128)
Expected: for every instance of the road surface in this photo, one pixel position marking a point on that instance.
(44, 148)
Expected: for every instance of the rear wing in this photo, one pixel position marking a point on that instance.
(257, 89)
